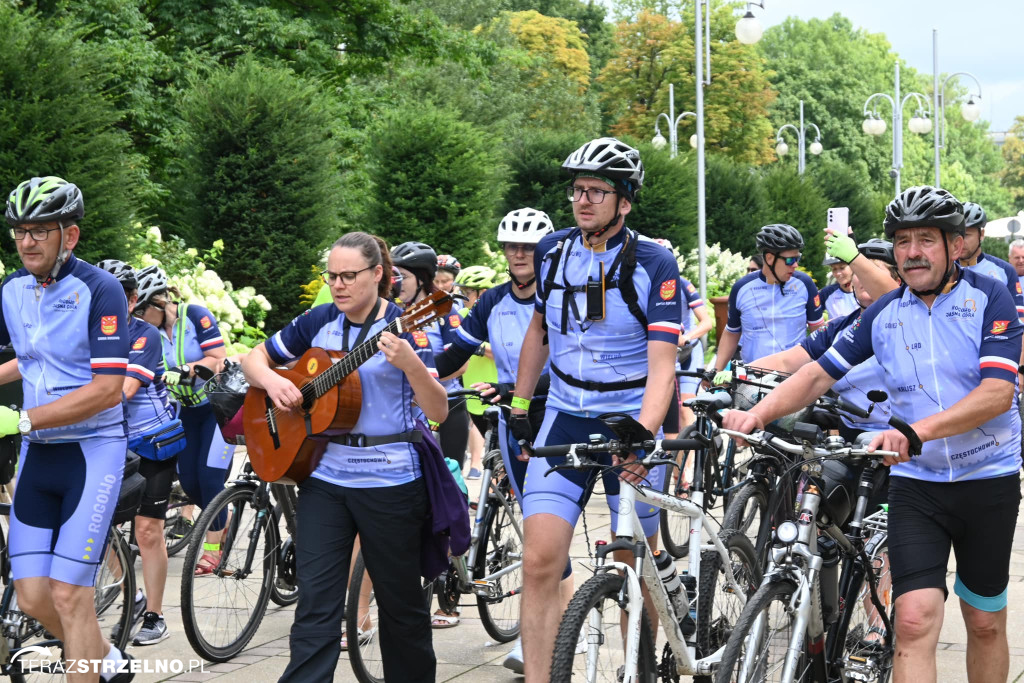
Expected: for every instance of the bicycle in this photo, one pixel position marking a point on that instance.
(177, 527)
(696, 610)
(781, 634)
(490, 569)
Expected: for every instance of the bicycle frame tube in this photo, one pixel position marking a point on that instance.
(284, 494)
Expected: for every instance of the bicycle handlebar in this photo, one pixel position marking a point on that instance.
(577, 455)
(759, 438)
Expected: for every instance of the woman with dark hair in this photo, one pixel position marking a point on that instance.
(376, 491)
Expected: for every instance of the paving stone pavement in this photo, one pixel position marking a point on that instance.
(466, 653)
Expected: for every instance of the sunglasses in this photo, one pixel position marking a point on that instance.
(788, 260)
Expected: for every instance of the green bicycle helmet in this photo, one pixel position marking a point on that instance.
(477, 277)
(46, 199)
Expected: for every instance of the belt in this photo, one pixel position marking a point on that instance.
(598, 386)
(364, 441)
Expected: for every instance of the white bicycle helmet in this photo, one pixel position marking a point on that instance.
(609, 158)
(524, 226)
(152, 281)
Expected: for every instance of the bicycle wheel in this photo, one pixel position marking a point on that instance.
(756, 650)
(501, 548)
(285, 589)
(361, 625)
(177, 528)
(222, 610)
(867, 651)
(675, 527)
(115, 590)
(718, 605)
(748, 509)
(597, 610)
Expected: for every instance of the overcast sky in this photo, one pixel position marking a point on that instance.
(984, 37)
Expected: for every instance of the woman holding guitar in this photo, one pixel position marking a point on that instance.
(376, 491)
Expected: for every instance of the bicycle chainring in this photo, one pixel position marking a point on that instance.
(286, 563)
(447, 590)
(667, 667)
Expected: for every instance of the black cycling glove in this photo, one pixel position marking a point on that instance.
(522, 431)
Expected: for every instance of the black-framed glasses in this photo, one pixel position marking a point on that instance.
(594, 195)
(348, 277)
(789, 260)
(38, 234)
(513, 247)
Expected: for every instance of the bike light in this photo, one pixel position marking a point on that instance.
(787, 532)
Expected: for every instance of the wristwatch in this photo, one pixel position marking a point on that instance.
(24, 423)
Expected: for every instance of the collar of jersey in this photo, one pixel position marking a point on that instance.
(68, 266)
(607, 245)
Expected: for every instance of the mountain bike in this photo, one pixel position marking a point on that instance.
(807, 622)
(697, 610)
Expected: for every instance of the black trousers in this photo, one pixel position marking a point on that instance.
(389, 521)
(453, 434)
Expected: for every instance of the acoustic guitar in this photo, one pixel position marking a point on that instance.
(286, 446)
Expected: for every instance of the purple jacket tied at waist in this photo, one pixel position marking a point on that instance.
(447, 530)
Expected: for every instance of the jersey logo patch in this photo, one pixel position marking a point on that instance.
(205, 322)
(108, 324)
(454, 320)
(139, 344)
(420, 338)
(668, 289)
(817, 300)
(999, 326)
(1019, 291)
(691, 289)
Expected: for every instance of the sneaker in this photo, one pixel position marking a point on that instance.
(138, 609)
(127, 675)
(153, 630)
(181, 528)
(474, 473)
(514, 659)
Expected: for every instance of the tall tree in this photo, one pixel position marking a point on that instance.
(1013, 155)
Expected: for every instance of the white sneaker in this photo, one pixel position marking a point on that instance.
(581, 642)
(514, 659)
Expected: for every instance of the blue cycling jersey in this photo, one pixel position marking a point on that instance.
(998, 269)
(149, 406)
(441, 335)
(855, 385)
(387, 398)
(770, 318)
(200, 334)
(693, 302)
(63, 334)
(613, 349)
(838, 303)
(500, 318)
(928, 355)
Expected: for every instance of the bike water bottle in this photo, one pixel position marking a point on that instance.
(690, 620)
(670, 579)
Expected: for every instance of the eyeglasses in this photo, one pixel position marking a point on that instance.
(511, 248)
(141, 309)
(348, 277)
(594, 195)
(788, 260)
(38, 234)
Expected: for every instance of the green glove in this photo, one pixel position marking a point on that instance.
(841, 247)
(723, 377)
(174, 376)
(9, 421)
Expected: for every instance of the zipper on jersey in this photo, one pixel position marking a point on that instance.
(579, 356)
(935, 383)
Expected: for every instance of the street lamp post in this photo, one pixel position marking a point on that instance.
(673, 124)
(875, 125)
(801, 136)
(970, 109)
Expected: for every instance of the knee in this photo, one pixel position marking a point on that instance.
(65, 596)
(985, 625)
(149, 532)
(33, 600)
(544, 562)
(917, 619)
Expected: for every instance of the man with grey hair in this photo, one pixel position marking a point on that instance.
(1017, 258)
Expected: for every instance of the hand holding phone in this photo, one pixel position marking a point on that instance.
(839, 220)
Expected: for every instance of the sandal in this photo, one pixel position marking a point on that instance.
(210, 561)
(442, 620)
(364, 638)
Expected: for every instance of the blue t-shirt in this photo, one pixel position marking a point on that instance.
(201, 334)
(770, 318)
(149, 406)
(63, 334)
(500, 318)
(855, 385)
(613, 349)
(387, 406)
(931, 359)
(998, 269)
(837, 302)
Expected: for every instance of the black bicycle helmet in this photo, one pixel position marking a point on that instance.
(124, 273)
(924, 206)
(609, 158)
(152, 281)
(449, 263)
(974, 216)
(777, 237)
(46, 199)
(877, 250)
(415, 256)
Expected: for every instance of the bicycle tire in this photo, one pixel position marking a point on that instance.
(284, 591)
(173, 522)
(770, 657)
(874, 658)
(747, 510)
(499, 548)
(715, 620)
(364, 652)
(194, 589)
(595, 591)
(675, 527)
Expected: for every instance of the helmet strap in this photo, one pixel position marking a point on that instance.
(518, 284)
(782, 285)
(62, 258)
(972, 258)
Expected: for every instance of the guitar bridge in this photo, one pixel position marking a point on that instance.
(272, 422)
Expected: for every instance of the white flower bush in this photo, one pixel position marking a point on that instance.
(723, 268)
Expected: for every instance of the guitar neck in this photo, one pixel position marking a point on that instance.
(352, 360)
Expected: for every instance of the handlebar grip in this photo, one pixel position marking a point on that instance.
(202, 372)
(551, 451)
(850, 408)
(907, 431)
(681, 444)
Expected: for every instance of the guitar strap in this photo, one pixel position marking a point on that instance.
(367, 324)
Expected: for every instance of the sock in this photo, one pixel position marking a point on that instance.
(113, 655)
(139, 596)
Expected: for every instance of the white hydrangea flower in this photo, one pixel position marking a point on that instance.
(154, 233)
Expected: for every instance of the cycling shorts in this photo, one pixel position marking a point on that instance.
(691, 385)
(63, 504)
(564, 493)
(976, 517)
(160, 475)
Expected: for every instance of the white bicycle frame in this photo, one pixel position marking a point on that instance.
(630, 528)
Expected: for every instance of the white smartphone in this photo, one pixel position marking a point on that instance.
(839, 220)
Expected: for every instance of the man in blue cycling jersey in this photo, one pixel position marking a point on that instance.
(771, 310)
(975, 259)
(963, 490)
(608, 304)
(1017, 259)
(68, 323)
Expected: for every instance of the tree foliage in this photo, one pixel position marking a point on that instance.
(1013, 155)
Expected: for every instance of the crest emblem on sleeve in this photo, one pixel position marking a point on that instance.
(999, 326)
(420, 338)
(108, 324)
(139, 344)
(668, 289)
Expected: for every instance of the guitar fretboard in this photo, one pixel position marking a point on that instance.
(338, 371)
